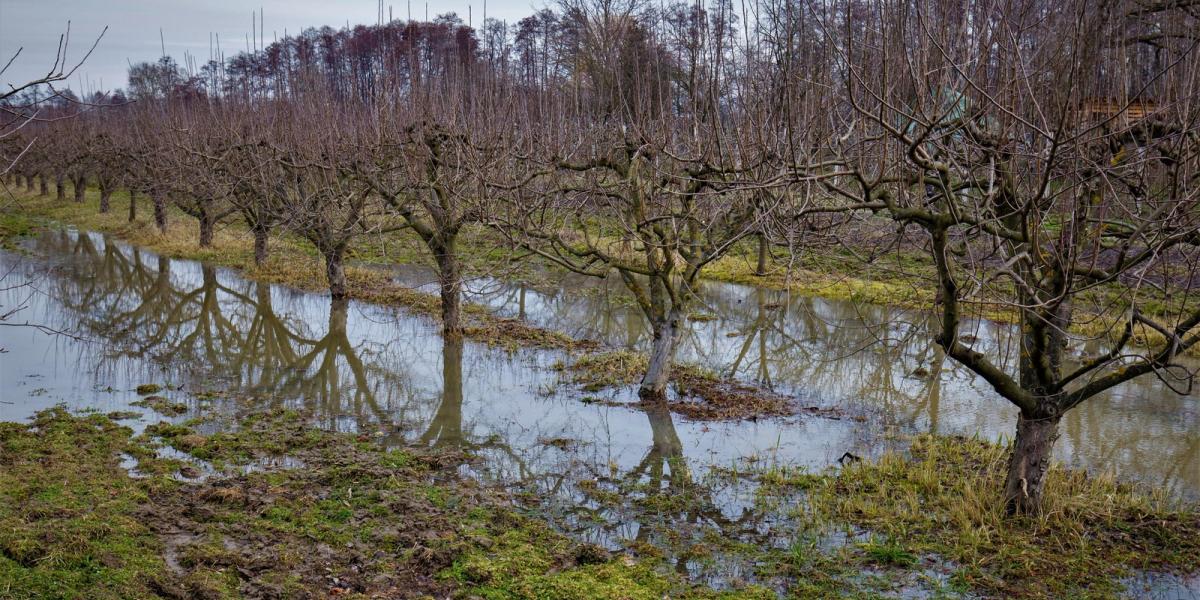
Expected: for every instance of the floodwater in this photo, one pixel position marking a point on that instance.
(110, 317)
(878, 362)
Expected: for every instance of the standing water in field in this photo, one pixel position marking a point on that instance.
(128, 317)
(113, 317)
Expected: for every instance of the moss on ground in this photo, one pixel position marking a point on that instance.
(342, 516)
(70, 515)
(287, 510)
(13, 227)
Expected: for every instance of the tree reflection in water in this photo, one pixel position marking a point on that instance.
(881, 364)
(216, 331)
(446, 430)
(227, 333)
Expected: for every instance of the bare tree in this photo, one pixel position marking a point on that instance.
(1053, 173)
(319, 198)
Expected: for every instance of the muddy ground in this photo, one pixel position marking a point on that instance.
(274, 510)
(270, 507)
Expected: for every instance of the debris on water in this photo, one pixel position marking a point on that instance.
(560, 443)
(211, 394)
(148, 388)
(920, 372)
(124, 415)
(161, 405)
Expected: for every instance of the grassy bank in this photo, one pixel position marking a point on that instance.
(485, 253)
(942, 499)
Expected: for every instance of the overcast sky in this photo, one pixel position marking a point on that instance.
(133, 28)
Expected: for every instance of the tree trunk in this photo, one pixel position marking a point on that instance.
(450, 287)
(335, 272)
(1028, 464)
(105, 196)
(43, 186)
(206, 229)
(60, 187)
(80, 188)
(29, 183)
(160, 210)
(261, 233)
(667, 332)
(132, 205)
(764, 252)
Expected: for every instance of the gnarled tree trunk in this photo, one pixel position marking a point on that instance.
(206, 229)
(335, 272)
(450, 287)
(1029, 463)
(764, 252)
(43, 186)
(160, 210)
(105, 198)
(667, 332)
(80, 184)
(261, 236)
(60, 187)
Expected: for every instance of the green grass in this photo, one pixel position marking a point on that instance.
(355, 520)
(944, 499)
(13, 227)
(74, 524)
(70, 522)
(898, 278)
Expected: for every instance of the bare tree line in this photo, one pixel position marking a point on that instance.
(1042, 156)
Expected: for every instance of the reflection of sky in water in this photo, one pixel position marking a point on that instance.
(365, 368)
(378, 369)
(869, 359)
(132, 318)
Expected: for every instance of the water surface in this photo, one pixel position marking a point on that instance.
(111, 317)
